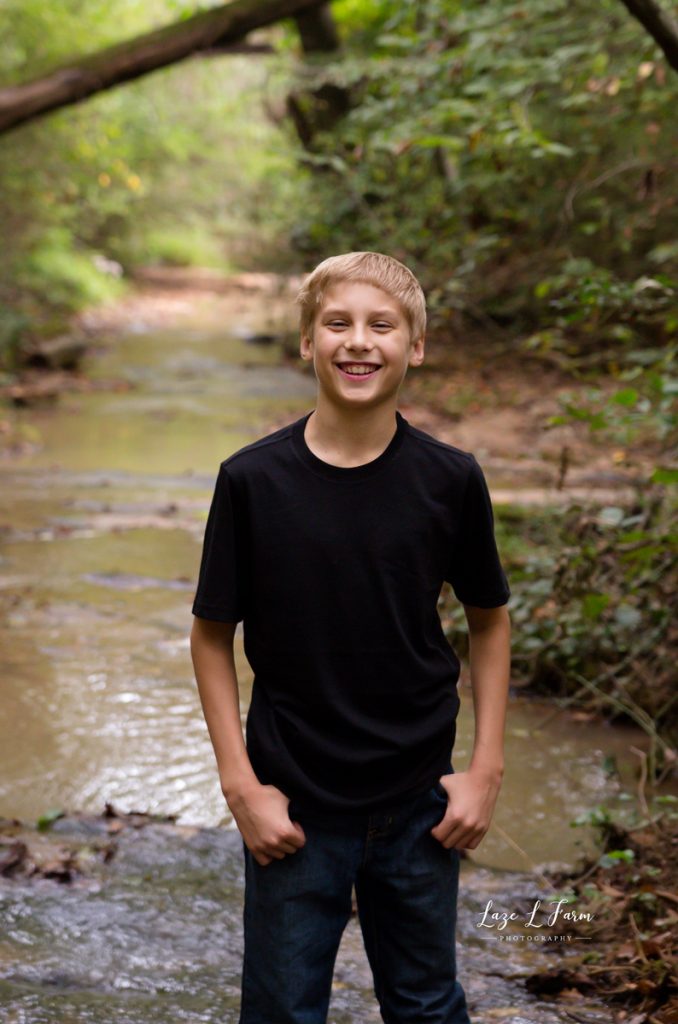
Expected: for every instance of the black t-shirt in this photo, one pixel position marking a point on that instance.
(336, 573)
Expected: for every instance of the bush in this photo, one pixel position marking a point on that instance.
(591, 609)
(59, 275)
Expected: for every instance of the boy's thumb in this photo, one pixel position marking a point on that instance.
(299, 830)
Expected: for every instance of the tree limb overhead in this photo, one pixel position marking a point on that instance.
(659, 23)
(93, 73)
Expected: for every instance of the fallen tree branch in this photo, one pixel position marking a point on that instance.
(93, 73)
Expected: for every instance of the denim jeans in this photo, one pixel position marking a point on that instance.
(406, 886)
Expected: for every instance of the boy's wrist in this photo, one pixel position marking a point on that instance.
(489, 769)
(234, 787)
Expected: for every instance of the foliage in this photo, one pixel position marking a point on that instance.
(13, 325)
(517, 157)
(597, 609)
(625, 897)
(591, 609)
(504, 151)
(594, 312)
(177, 246)
(173, 168)
(72, 277)
(642, 409)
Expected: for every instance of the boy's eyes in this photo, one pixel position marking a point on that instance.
(342, 323)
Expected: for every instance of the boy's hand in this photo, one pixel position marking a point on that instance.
(261, 815)
(471, 796)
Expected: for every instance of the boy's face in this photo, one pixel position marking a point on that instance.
(361, 345)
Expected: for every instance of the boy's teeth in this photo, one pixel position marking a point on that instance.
(353, 368)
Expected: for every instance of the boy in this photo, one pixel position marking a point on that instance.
(330, 539)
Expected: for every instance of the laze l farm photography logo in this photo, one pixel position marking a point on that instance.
(533, 924)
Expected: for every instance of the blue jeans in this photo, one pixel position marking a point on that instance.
(406, 887)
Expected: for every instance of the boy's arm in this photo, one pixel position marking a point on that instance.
(490, 664)
(472, 794)
(215, 674)
(260, 811)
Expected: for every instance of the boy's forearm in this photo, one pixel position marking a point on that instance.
(216, 677)
(490, 664)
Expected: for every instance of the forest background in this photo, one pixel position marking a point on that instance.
(519, 158)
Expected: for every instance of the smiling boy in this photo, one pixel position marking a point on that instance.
(331, 539)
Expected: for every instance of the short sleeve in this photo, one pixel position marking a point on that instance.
(220, 591)
(475, 571)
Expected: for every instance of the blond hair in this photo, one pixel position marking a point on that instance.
(373, 268)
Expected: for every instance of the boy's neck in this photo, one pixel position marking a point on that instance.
(350, 437)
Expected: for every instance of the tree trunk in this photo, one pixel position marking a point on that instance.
(317, 29)
(93, 73)
(313, 110)
(659, 23)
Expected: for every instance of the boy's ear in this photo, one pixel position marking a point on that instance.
(417, 352)
(305, 347)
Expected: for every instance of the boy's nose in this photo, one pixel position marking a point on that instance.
(359, 339)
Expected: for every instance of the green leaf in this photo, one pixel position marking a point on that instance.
(593, 605)
(447, 141)
(613, 857)
(558, 149)
(48, 818)
(627, 396)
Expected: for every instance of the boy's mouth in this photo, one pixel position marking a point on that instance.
(358, 369)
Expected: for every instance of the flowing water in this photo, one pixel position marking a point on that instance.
(101, 521)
